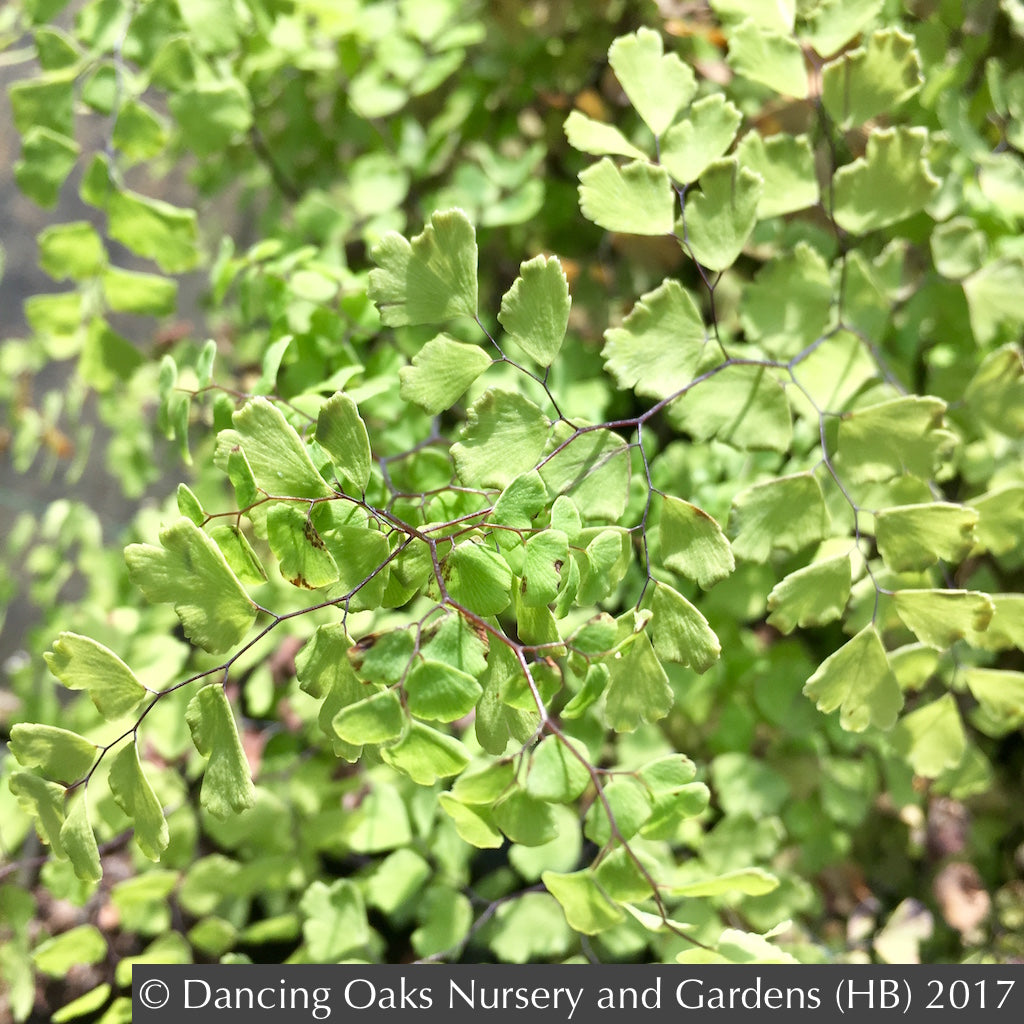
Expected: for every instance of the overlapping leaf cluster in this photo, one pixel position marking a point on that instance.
(509, 604)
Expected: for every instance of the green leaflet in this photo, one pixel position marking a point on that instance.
(135, 796)
(786, 165)
(478, 578)
(58, 754)
(155, 229)
(556, 774)
(903, 435)
(44, 802)
(659, 346)
(999, 691)
(430, 279)
(440, 372)
(702, 137)
(375, 719)
(426, 755)
(1005, 630)
(440, 692)
(773, 17)
(227, 783)
(630, 807)
(342, 434)
(72, 251)
(190, 571)
(586, 906)
(857, 679)
(889, 183)
(719, 218)
(47, 158)
(749, 881)
(744, 406)
(83, 944)
(912, 537)
(811, 596)
(786, 513)
(483, 785)
(238, 553)
(334, 925)
(995, 394)
(680, 633)
(636, 198)
(597, 138)
(139, 133)
(834, 23)
(525, 819)
(305, 560)
(658, 85)
(592, 467)
(83, 664)
(789, 304)
(130, 291)
(475, 825)
(768, 57)
(939, 618)
(325, 672)
(872, 79)
(521, 501)
(637, 689)
(692, 543)
(278, 459)
(546, 553)
(931, 737)
(535, 310)
(504, 436)
(993, 294)
(79, 841)
(212, 114)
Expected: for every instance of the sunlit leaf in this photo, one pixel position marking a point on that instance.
(931, 737)
(768, 57)
(135, 796)
(659, 346)
(430, 279)
(342, 434)
(811, 596)
(535, 310)
(786, 165)
(189, 571)
(941, 617)
(596, 138)
(227, 782)
(59, 754)
(874, 78)
(636, 199)
(79, 841)
(701, 137)
(277, 458)
(719, 218)
(786, 513)
(889, 183)
(658, 84)
(744, 406)
(440, 372)
(586, 906)
(84, 664)
(504, 436)
(692, 542)
(857, 679)
(903, 435)
(680, 633)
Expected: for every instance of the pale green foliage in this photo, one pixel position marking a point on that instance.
(742, 453)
